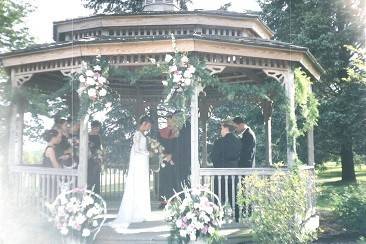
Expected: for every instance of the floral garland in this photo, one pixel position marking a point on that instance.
(181, 78)
(92, 82)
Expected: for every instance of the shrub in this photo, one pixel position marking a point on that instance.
(279, 207)
(350, 207)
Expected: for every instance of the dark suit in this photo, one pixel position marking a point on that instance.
(226, 154)
(247, 154)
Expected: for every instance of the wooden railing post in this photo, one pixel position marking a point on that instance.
(195, 164)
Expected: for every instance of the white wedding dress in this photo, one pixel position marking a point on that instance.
(135, 206)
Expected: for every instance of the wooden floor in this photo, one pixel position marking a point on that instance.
(156, 230)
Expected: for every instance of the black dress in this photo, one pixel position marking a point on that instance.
(94, 168)
(247, 154)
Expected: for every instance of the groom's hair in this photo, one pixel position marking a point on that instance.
(238, 120)
(146, 119)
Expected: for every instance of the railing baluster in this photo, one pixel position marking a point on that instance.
(219, 188)
(226, 190)
(233, 196)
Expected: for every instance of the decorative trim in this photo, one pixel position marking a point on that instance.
(19, 80)
(278, 75)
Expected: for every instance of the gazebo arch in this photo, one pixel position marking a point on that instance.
(237, 47)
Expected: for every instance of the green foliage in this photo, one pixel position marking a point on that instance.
(325, 27)
(279, 207)
(13, 33)
(122, 6)
(306, 102)
(350, 207)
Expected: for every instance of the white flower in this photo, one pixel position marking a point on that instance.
(89, 73)
(179, 223)
(64, 230)
(102, 92)
(183, 233)
(184, 59)
(168, 58)
(187, 74)
(187, 82)
(152, 60)
(192, 236)
(211, 230)
(173, 68)
(165, 83)
(86, 232)
(80, 219)
(177, 77)
(90, 81)
(95, 223)
(97, 68)
(102, 80)
(82, 79)
(191, 69)
(92, 92)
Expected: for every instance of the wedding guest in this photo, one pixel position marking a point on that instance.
(226, 154)
(248, 143)
(94, 161)
(53, 138)
(61, 126)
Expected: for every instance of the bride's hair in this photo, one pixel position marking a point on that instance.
(146, 119)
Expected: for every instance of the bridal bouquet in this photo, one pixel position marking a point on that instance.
(193, 216)
(156, 149)
(77, 213)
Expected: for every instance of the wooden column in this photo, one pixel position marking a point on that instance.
(195, 164)
(267, 117)
(289, 80)
(204, 118)
(16, 125)
(83, 154)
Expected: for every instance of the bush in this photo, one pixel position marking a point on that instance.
(279, 207)
(350, 207)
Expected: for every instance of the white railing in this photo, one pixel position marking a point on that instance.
(224, 181)
(36, 185)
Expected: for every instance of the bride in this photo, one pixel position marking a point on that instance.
(135, 206)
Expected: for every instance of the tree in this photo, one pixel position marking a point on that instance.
(122, 6)
(326, 26)
(13, 34)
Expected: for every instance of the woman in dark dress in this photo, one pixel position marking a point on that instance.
(53, 138)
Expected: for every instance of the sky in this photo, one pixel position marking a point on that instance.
(47, 11)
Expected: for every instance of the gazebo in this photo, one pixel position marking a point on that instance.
(237, 47)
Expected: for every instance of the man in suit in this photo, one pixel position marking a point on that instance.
(248, 141)
(226, 154)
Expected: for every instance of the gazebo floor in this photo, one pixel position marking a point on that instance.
(155, 230)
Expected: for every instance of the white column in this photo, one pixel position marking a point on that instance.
(83, 153)
(267, 116)
(195, 164)
(290, 116)
(311, 157)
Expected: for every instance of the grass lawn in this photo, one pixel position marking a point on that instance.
(328, 182)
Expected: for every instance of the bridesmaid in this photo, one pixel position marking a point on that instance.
(53, 138)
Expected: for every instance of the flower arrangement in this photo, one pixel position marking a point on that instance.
(92, 82)
(77, 213)
(194, 216)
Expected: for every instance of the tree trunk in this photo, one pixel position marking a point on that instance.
(348, 166)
